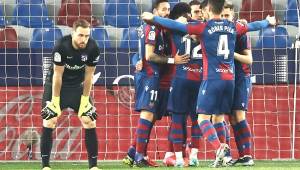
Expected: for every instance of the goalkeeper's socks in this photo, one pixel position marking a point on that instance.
(244, 137)
(91, 144)
(209, 133)
(142, 135)
(46, 146)
(195, 134)
(220, 129)
(177, 132)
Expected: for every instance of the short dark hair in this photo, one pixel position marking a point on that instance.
(81, 23)
(157, 2)
(216, 6)
(180, 9)
(194, 2)
(204, 4)
(229, 5)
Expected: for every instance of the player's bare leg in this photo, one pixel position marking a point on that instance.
(91, 141)
(241, 130)
(46, 141)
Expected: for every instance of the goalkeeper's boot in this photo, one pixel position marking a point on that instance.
(170, 161)
(151, 162)
(46, 168)
(244, 161)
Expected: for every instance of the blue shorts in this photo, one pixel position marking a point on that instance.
(215, 97)
(146, 93)
(162, 101)
(183, 96)
(242, 92)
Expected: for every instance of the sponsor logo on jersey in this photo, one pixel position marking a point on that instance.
(196, 70)
(57, 57)
(151, 35)
(223, 70)
(75, 67)
(84, 58)
(69, 57)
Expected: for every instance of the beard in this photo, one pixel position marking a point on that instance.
(81, 45)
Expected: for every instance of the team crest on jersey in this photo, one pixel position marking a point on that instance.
(151, 35)
(84, 58)
(57, 57)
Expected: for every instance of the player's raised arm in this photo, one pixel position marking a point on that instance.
(256, 25)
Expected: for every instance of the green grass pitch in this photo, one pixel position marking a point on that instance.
(259, 165)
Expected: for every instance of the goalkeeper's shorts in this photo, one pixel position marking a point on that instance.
(69, 96)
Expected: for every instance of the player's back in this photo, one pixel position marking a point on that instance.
(152, 35)
(218, 43)
(184, 44)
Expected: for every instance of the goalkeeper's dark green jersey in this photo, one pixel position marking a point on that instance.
(74, 60)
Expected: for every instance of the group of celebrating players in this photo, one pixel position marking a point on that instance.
(194, 61)
(195, 64)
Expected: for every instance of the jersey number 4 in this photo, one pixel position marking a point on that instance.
(196, 51)
(223, 46)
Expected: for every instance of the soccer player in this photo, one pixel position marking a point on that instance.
(218, 42)
(68, 85)
(196, 11)
(185, 85)
(243, 61)
(152, 51)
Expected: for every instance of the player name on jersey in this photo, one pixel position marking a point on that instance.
(219, 28)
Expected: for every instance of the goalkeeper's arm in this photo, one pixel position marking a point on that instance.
(52, 108)
(85, 108)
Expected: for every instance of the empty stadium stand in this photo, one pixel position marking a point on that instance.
(253, 10)
(99, 34)
(45, 37)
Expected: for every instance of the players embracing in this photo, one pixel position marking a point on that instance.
(154, 55)
(217, 38)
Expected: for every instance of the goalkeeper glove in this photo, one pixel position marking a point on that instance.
(52, 109)
(86, 109)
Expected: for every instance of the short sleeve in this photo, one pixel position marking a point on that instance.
(150, 34)
(58, 54)
(94, 55)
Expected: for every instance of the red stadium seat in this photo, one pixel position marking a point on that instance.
(71, 10)
(8, 38)
(254, 10)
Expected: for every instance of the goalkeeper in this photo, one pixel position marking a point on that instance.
(68, 85)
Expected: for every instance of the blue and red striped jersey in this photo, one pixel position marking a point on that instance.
(217, 38)
(184, 44)
(241, 69)
(153, 35)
